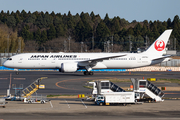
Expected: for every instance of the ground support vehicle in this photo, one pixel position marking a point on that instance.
(105, 87)
(35, 99)
(145, 91)
(115, 98)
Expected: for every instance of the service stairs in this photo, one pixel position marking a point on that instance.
(154, 92)
(115, 88)
(146, 87)
(32, 88)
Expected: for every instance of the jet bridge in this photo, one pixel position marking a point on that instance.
(145, 87)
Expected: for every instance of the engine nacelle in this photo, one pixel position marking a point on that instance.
(68, 67)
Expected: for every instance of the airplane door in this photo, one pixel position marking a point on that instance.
(143, 60)
(53, 60)
(139, 60)
(20, 60)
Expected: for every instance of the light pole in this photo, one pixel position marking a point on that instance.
(82, 46)
(69, 42)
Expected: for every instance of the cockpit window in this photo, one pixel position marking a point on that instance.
(9, 59)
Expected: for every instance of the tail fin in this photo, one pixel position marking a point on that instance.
(158, 47)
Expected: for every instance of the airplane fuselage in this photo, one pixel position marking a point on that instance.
(54, 60)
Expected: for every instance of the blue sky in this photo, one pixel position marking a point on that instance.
(130, 10)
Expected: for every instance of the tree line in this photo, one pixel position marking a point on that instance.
(50, 32)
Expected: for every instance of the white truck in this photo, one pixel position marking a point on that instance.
(106, 87)
(35, 99)
(115, 98)
(106, 92)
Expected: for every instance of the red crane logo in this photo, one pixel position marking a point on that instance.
(159, 45)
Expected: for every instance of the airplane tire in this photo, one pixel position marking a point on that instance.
(85, 73)
(124, 104)
(90, 73)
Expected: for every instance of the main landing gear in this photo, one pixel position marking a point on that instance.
(88, 73)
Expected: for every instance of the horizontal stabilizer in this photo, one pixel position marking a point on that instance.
(162, 57)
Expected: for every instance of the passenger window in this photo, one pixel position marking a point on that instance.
(142, 84)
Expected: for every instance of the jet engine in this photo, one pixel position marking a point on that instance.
(68, 67)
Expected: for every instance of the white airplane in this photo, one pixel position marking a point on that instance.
(71, 62)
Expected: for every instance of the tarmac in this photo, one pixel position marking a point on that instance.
(73, 83)
(73, 108)
(78, 109)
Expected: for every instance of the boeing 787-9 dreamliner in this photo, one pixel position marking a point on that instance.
(71, 62)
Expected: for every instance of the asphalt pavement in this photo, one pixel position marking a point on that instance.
(73, 83)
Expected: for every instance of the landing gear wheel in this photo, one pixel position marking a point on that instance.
(17, 72)
(85, 73)
(124, 104)
(88, 73)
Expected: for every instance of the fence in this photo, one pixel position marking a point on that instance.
(171, 63)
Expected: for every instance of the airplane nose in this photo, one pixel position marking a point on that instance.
(5, 64)
(8, 63)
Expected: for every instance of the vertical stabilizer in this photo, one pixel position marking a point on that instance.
(158, 47)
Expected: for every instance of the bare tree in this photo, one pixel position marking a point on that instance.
(31, 46)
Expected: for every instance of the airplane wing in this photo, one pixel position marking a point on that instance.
(162, 57)
(88, 64)
(103, 58)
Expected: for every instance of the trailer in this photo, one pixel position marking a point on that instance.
(35, 99)
(115, 98)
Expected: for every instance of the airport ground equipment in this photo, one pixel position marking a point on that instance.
(3, 102)
(105, 87)
(143, 90)
(32, 88)
(151, 79)
(115, 98)
(145, 87)
(36, 99)
(18, 89)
